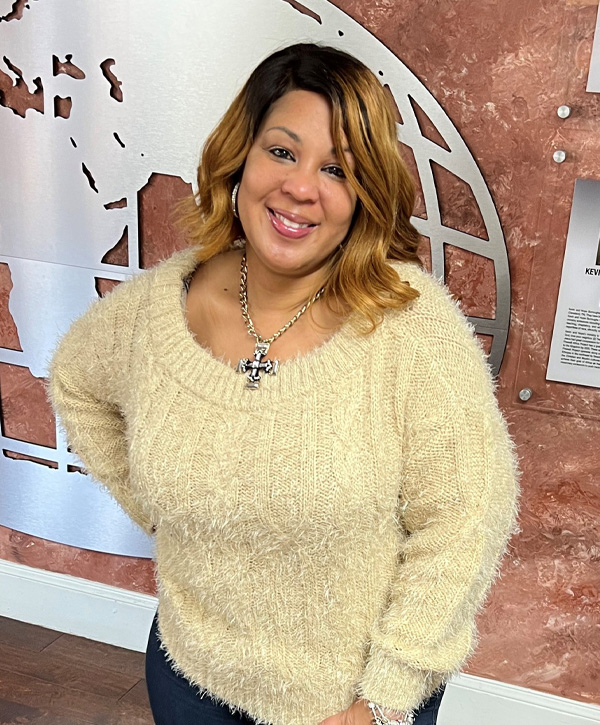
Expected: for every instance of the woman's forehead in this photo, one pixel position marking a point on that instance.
(297, 112)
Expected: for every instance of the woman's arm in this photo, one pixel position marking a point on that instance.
(88, 374)
(458, 504)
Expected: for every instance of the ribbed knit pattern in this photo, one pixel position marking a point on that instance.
(330, 535)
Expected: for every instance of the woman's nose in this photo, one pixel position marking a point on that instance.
(302, 184)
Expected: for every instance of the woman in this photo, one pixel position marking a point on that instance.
(330, 500)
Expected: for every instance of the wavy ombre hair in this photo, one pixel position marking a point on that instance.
(360, 276)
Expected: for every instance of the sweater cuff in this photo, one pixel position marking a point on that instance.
(394, 685)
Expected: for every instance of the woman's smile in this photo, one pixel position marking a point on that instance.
(288, 224)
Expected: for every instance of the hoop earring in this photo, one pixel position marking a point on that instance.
(234, 194)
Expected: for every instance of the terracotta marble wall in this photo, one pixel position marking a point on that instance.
(500, 70)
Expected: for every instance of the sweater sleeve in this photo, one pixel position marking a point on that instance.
(88, 375)
(458, 504)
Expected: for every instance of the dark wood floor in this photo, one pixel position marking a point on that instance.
(54, 678)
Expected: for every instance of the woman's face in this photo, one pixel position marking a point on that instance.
(294, 202)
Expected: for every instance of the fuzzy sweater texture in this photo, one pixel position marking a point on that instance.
(331, 535)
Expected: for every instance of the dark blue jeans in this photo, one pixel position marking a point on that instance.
(175, 702)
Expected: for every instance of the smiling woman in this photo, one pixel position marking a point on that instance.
(328, 526)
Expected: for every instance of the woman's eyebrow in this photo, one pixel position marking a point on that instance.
(297, 139)
(291, 134)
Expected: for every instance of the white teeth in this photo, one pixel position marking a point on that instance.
(289, 223)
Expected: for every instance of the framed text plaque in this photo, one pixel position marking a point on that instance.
(575, 348)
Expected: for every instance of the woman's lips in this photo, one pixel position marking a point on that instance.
(286, 230)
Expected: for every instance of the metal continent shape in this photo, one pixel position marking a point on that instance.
(179, 66)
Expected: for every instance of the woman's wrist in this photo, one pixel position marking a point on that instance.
(383, 716)
(393, 714)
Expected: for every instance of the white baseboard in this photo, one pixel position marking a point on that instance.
(471, 700)
(76, 606)
(123, 618)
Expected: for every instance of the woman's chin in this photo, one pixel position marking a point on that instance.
(289, 257)
(284, 256)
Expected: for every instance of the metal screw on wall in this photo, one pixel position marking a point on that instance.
(563, 111)
(525, 394)
(559, 156)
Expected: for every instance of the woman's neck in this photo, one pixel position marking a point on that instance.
(274, 299)
(271, 294)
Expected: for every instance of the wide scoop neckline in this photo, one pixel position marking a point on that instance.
(282, 363)
(199, 370)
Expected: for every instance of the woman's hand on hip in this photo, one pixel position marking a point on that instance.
(357, 714)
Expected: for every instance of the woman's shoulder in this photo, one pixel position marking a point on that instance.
(181, 262)
(434, 320)
(440, 342)
(130, 298)
(175, 267)
(436, 329)
(431, 290)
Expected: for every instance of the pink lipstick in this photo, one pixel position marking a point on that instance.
(290, 225)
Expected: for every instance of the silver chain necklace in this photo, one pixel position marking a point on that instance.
(255, 367)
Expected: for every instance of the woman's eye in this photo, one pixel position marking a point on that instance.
(336, 171)
(281, 153)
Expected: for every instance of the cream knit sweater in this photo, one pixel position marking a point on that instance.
(328, 536)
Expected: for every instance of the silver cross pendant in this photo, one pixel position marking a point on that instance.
(255, 367)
